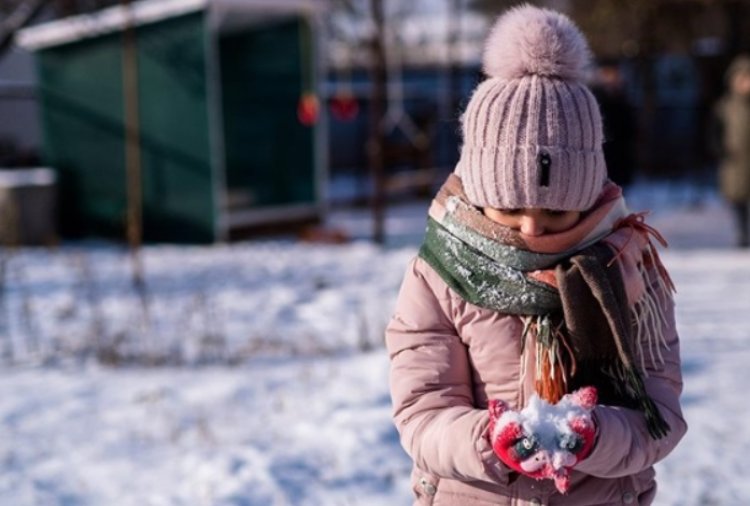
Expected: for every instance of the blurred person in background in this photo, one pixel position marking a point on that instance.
(731, 143)
(619, 122)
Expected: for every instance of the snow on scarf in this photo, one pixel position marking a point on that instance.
(588, 295)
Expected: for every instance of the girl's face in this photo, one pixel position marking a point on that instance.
(534, 221)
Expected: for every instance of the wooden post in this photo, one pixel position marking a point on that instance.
(132, 130)
(133, 167)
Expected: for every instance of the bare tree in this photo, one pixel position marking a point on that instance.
(369, 29)
(16, 17)
(375, 142)
(17, 14)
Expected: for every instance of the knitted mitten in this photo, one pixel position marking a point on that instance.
(545, 441)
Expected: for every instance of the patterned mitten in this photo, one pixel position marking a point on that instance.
(545, 441)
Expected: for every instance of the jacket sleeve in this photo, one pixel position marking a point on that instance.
(431, 385)
(624, 446)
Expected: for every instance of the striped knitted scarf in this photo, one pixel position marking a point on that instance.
(592, 297)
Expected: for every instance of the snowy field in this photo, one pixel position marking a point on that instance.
(304, 417)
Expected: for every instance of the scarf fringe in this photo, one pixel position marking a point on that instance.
(555, 361)
(657, 426)
(649, 320)
(637, 223)
(629, 383)
(649, 312)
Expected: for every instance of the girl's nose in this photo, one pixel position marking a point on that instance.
(531, 225)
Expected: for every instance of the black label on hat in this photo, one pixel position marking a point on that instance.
(544, 162)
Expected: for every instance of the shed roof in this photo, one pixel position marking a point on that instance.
(138, 13)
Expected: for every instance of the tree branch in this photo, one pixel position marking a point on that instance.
(20, 17)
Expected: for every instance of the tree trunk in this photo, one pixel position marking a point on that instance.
(375, 143)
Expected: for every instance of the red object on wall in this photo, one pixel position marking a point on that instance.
(308, 109)
(344, 107)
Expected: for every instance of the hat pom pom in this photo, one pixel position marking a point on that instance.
(528, 40)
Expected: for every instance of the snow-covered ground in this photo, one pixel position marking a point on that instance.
(304, 419)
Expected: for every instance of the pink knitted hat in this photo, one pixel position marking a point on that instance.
(532, 131)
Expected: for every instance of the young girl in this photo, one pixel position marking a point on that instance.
(535, 293)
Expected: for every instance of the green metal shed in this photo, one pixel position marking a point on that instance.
(221, 145)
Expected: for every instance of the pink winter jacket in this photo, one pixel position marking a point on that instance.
(448, 357)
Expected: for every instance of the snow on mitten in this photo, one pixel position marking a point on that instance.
(545, 441)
